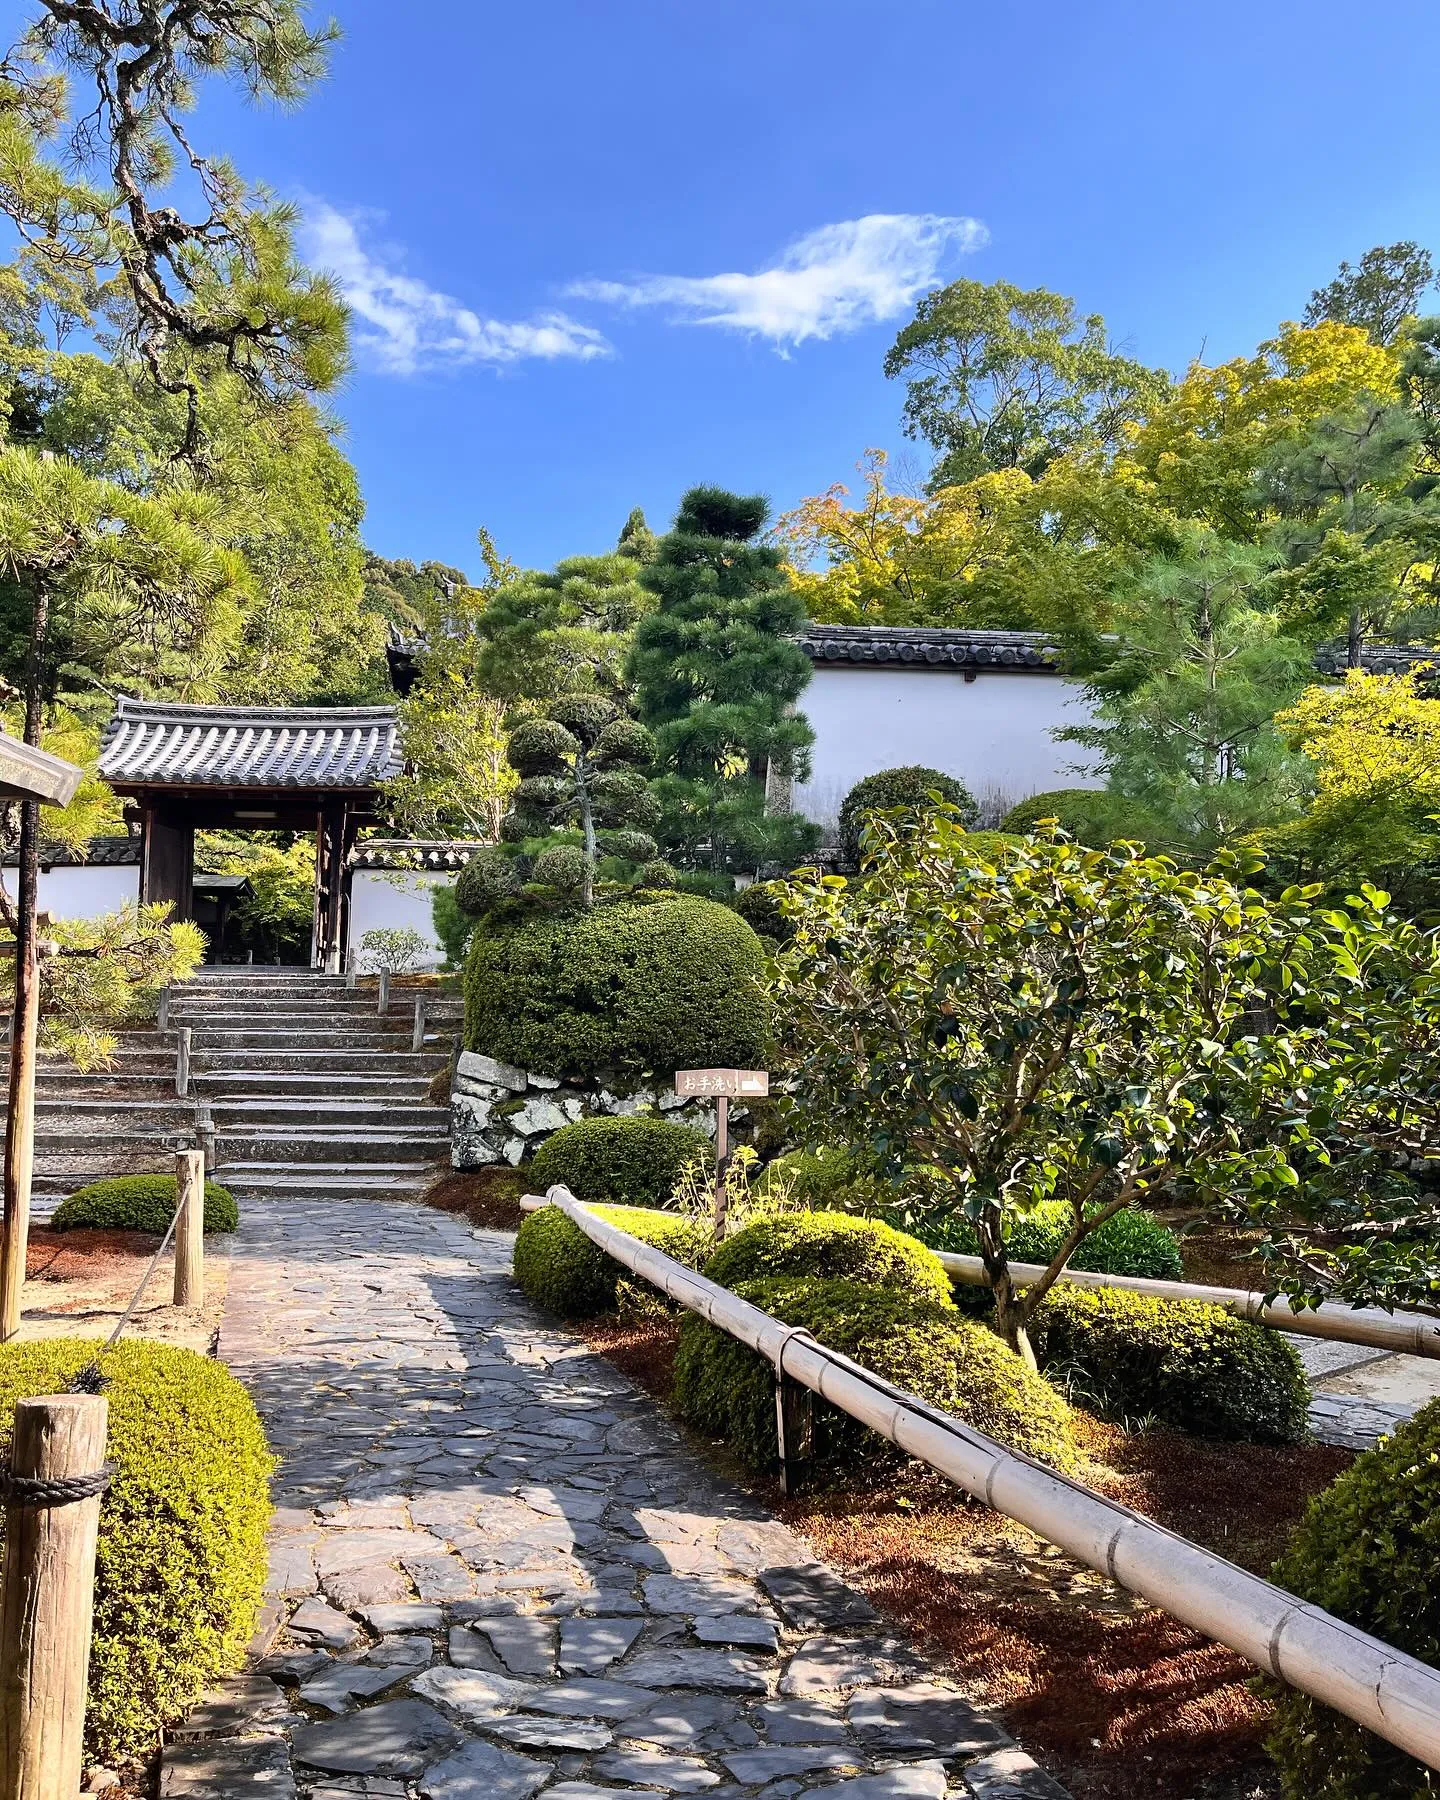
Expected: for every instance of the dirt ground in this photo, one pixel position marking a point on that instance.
(489, 1198)
(1116, 1699)
(78, 1283)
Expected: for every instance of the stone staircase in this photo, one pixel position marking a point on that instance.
(311, 1092)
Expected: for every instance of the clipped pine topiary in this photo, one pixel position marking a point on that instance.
(631, 1161)
(559, 1268)
(829, 1246)
(139, 1203)
(621, 992)
(1366, 1550)
(928, 1349)
(912, 787)
(1181, 1362)
(1130, 1242)
(181, 1566)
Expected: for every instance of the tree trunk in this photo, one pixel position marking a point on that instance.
(1009, 1312)
(1354, 642)
(20, 1102)
(587, 825)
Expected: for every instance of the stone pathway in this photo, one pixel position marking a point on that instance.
(498, 1572)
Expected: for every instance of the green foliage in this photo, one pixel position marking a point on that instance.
(716, 675)
(570, 630)
(1180, 1362)
(759, 905)
(1379, 294)
(401, 949)
(451, 924)
(181, 1565)
(139, 1203)
(727, 1391)
(1131, 1242)
(561, 866)
(820, 1180)
(624, 991)
(1366, 1550)
(559, 1268)
(491, 877)
(830, 1246)
(631, 1161)
(1089, 815)
(913, 787)
(275, 919)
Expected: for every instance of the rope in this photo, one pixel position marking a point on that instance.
(59, 1490)
(91, 1379)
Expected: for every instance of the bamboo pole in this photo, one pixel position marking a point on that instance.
(190, 1229)
(47, 1605)
(1392, 1694)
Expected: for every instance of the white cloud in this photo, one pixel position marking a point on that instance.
(404, 327)
(832, 280)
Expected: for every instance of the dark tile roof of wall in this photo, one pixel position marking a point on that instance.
(940, 647)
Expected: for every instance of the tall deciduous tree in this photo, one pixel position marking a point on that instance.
(1379, 294)
(717, 677)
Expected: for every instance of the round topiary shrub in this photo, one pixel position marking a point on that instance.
(657, 873)
(1090, 815)
(729, 1392)
(759, 906)
(1131, 1242)
(1366, 1550)
(1180, 1362)
(830, 1246)
(560, 866)
(912, 787)
(629, 846)
(490, 877)
(624, 991)
(631, 1161)
(180, 1571)
(139, 1203)
(559, 1268)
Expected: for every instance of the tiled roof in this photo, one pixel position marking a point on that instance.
(99, 853)
(943, 647)
(414, 853)
(156, 743)
(1378, 659)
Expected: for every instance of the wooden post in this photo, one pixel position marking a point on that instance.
(162, 1016)
(722, 1160)
(384, 991)
(182, 1064)
(190, 1229)
(47, 1606)
(351, 966)
(205, 1132)
(794, 1430)
(417, 1036)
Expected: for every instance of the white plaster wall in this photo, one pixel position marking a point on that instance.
(391, 899)
(69, 891)
(992, 732)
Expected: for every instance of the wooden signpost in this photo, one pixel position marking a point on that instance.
(722, 1086)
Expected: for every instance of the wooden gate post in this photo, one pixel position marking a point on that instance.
(48, 1599)
(190, 1228)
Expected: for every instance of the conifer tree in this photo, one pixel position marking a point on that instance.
(716, 675)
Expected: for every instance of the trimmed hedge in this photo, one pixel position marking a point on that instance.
(622, 991)
(1184, 1363)
(1366, 1550)
(559, 1268)
(139, 1203)
(759, 906)
(1090, 815)
(910, 786)
(830, 1246)
(180, 1571)
(1130, 1243)
(833, 1179)
(726, 1390)
(631, 1161)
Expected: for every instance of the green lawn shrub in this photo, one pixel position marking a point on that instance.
(559, 1268)
(830, 1246)
(759, 906)
(1366, 1550)
(911, 787)
(930, 1350)
(139, 1203)
(1090, 815)
(633, 1162)
(620, 992)
(829, 1178)
(1129, 1243)
(180, 1570)
(1181, 1363)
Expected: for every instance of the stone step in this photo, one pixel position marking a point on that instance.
(217, 1061)
(77, 1084)
(327, 1113)
(188, 1009)
(64, 1170)
(219, 1085)
(326, 1181)
(369, 1146)
(373, 1037)
(108, 1116)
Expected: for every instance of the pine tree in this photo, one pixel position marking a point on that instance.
(716, 674)
(636, 539)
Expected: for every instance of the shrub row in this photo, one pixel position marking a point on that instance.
(139, 1203)
(634, 1161)
(559, 1268)
(1129, 1243)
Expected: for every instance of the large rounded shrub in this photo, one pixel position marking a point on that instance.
(1180, 1362)
(1128, 1243)
(912, 787)
(631, 1161)
(930, 1350)
(139, 1203)
(180, 1570)
(1366, 1550)
(559, 1268)
(1090, 815)
(828, 1246)
(623, 991)
(826, 1179)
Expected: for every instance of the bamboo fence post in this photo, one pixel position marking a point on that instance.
(190, 1230)
(384, 991)
(47, 1606)
(417, 1036)
(351, 967)
(162, 1015)
(182, 1064)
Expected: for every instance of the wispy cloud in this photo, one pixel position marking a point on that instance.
(832, 280)
(404, 327)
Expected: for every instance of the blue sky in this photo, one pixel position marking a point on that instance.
(535, 202)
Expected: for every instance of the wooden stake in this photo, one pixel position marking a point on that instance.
(384, 1006)
(722, 1158)
(48, 1601)
(190, 1229)
(182, 1063)
(417, 1036)
(20, 1103)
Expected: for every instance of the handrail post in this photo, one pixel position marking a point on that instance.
(351, 966)
(205, 1132)
(384, 992)
(182, 1063)
(417, 1036)
(162, 1012)
(794, 1430)
(48, 1601)
(190, 1229)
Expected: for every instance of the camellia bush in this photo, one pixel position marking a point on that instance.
(1038, 1023)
